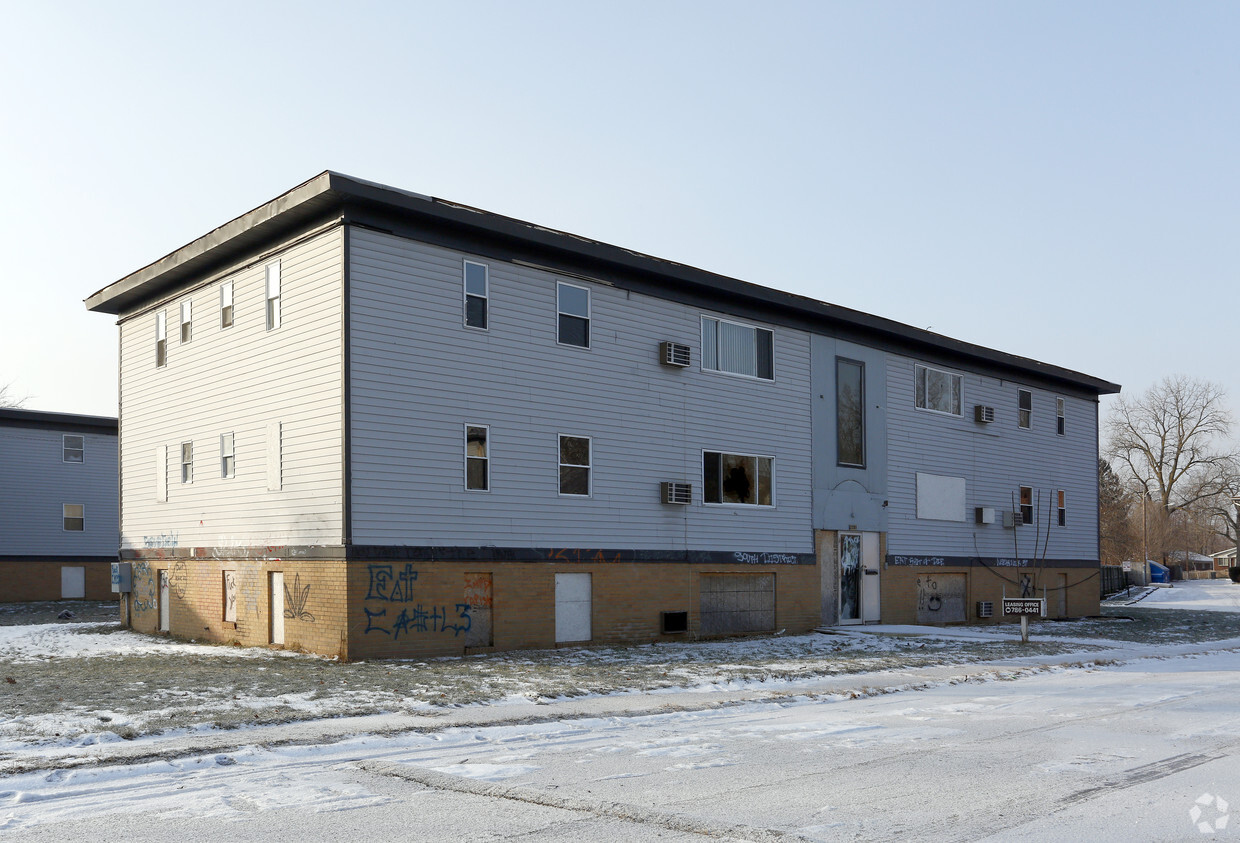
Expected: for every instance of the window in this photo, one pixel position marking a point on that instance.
(187, 322)
(573, 307)
(478, 458)
(737, 349)
(73, 448)
(736, 478)
(1061, 424)
(161, 339)
(228, 456)
(226, 304)
(1024, 415)
(476, 295)
(273, 296)
(575, 465)
(74, 515)
(936, 390)
(1062, 510)
(1026, 504)
(187, 462)
(850, 412)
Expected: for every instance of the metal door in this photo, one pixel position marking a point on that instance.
(277, 607)
(165, 607)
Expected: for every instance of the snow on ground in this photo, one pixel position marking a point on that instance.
(1199, 595)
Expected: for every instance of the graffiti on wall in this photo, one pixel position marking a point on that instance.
(389, 585)
(144, 594)
(940, 598)
(161, 540)
(295, 600)
(230, 596)
(178, 578)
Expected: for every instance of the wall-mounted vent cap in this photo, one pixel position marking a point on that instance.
(983, 414)
(984, 514)
(675, 354)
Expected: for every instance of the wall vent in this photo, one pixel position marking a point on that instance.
(984, 514)
(983, 414)
(985, 609)
(670, 622)
(678, 493)
(675, 354)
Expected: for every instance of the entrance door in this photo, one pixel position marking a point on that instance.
(573, 606)
(72, 583)
(165, 607)
(277, 607)
(859, 578)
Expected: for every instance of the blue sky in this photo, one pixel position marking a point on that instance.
(1055, 180)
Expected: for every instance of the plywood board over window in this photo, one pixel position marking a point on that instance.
(736, 603)
(940, 498)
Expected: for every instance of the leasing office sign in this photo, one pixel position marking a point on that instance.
(1018, 606)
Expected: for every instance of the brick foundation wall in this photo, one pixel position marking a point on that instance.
(26, 580)
(901, 590)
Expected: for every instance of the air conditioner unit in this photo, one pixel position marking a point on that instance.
(678, 493)
(985, 609)
(675, 354)
(984, 514)
(983, 414)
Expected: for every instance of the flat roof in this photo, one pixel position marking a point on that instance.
(332, 195)
(16, 417)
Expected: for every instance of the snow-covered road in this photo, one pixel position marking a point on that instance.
(1144, 750)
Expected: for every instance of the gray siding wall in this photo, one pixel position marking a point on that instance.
(35, 483)
(239, 380)
(847, 497)
(418, 376)
(994, 460)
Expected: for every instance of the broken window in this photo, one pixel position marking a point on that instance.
(273, 296)
(226, 304)
(1062, 510)
(476, 295)
(736, 479)
(1024, 416)
(575, 465)
(1026, 504)
(477, 458)
(161, 339)
(850, 412)
(737, 349)
(937, 390)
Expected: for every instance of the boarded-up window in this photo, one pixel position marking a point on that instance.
(940, 598)
(736, 603)
(940, 498)
(478, 598)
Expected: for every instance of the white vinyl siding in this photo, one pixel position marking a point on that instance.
(411, 360)
(238, 381)
(161, 339)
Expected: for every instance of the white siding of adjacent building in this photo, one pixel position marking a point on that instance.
(418, 376)
(240, 380)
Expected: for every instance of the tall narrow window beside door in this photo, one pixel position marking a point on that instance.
(850, 412)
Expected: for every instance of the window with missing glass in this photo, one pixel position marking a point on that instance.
(737, 349)
(73, 448)
(476, 295)
(477, 458)
(1062, 509)
(573, 311)
(187, 321)
(936, 390)
(737, 479)
(161, 339)
(575, 465)
(273, 295)
(1024, 410)
(1026, 504)
(850, 412)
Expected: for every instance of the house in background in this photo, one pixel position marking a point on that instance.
(58, 520)
(368, 422)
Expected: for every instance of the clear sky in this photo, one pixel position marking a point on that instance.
(1058, 180)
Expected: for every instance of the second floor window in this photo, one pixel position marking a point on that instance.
(575, 465)
(476, 295)
(737, 349)
(74, 515)
(573, 312)
(736, 478)
(477, 458)
(1062, 509)
(936, 390)
(1026, 504)
(74, 448)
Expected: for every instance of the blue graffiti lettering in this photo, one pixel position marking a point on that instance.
(395, 588)
(371, 626)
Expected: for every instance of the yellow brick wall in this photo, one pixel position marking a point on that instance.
(37, 579)
(899, 590)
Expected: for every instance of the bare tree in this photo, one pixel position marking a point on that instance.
(8, 398)
(1171, 443)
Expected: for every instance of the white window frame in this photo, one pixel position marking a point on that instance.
(227, 313)
(589, 466)
(756, 475)
(1024, 409)
(65, 449)
(1061, 416)
(187, 466)
(716, 352)
(957, 379)
(272, 300)
(161, 339)
(486, 460)
(65, 516)
(1030, 517)
(466, 295)
(1061, 508)
(589, 317)
(187, 321)
(228, 455)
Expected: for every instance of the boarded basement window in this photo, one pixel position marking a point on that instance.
(736, 603)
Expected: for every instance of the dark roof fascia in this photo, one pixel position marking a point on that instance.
(42, 420)
(374, 204)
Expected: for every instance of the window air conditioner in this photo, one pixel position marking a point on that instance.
(677, 493)
(675, 354)
(983, 414)
(985, 609)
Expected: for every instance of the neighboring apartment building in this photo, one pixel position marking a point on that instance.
(368, 422)
(58, 521)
